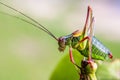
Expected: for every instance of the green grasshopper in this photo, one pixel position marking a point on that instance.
(84, 42)
(87, 44)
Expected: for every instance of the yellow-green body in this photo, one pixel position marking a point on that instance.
(99, 51)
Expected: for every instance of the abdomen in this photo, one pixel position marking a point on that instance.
(99, 51)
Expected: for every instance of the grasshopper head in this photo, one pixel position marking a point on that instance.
(62, 44)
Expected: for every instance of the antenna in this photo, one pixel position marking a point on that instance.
(40, 26)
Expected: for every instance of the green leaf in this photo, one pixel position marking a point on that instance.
(109, 70)
(65, 70)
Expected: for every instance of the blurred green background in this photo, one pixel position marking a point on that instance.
(27, 53)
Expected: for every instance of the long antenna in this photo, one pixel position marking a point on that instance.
(23, 20)
(40, 26)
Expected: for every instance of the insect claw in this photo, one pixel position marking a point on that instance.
(89, 8)
(110, 55)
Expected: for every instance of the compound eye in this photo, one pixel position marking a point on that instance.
(61, 39)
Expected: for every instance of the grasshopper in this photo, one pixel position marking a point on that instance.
(83, 41)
